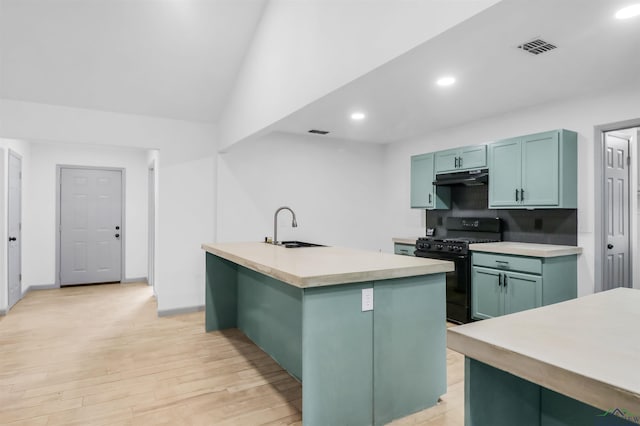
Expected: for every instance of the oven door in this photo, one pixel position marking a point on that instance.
(458, 285)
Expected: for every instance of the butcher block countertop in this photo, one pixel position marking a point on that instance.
(526, 249)
(586, 348)
(321, 266)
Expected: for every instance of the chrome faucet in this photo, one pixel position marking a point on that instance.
(294, 223)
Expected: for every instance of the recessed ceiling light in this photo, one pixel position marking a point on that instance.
(628, 12)
(446, 81)
(358, 116)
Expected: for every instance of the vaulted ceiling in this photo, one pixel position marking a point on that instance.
(167, 58)
(178, 59)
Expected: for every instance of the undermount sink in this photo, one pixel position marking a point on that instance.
(298, 244)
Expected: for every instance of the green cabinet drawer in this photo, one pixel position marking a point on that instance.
(531, 265)
(404, 249)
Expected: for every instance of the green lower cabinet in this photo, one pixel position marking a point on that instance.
(487, 297)
(356, 367)
(337, 356)
(497, 398)
(498, 293)
(505, 284)
(404, 249)
(522, 292)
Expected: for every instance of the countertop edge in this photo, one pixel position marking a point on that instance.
(406, 240)
(522, 251)
(258, 267)
(586, 389)
(330, 279)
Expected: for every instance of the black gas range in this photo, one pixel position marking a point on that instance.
(449, 245)
(454, 246)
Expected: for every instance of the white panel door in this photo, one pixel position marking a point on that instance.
(14, 263)
(90, 226)
(617, 267)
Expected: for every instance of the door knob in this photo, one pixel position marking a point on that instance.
(117, 235)
(13, 239)
(609, 246)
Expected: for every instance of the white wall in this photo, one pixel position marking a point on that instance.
(334, 187)
(303, 50)
(186, 173)
(580, 115)
(39, 230)
(23, 149)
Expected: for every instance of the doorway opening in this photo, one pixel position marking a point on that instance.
(616, 208)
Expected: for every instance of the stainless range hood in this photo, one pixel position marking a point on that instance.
(467, 178)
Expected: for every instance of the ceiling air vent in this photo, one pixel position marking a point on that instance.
(537, 46)
(318, 132)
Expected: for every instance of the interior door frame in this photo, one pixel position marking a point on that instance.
(599, 206)
(151, 225)
(12, 153)
(123, 233)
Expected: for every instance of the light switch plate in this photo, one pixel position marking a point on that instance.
(367, 299)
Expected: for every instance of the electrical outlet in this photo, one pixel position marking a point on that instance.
(367, 299)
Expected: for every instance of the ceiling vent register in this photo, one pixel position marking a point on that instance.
(537, 46)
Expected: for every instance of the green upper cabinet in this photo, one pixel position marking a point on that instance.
(534, 171)
(423, 192)
(458, 159)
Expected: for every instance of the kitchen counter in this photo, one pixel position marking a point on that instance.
(338, 320)
(526, 249)
(408, 240)
(321, 266)
(583, 354)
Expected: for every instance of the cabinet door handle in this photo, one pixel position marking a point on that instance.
(521, 194)
(455, 162)
(459, 161)
(505, 281)
(429, 198)
(499, 280)
(517, 194)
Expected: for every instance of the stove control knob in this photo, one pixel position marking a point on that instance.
(427, 245)
(451, 248)
(458, 248)
(439, 246)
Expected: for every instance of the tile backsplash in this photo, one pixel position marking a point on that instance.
(547, 226)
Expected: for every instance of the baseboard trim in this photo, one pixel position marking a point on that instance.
(3, 312)
(135, 280)
(39, 287)
(178, 311)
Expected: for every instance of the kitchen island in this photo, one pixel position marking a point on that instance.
(571, 363)
(339, 320)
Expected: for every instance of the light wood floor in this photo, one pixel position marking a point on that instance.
(97, 355)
